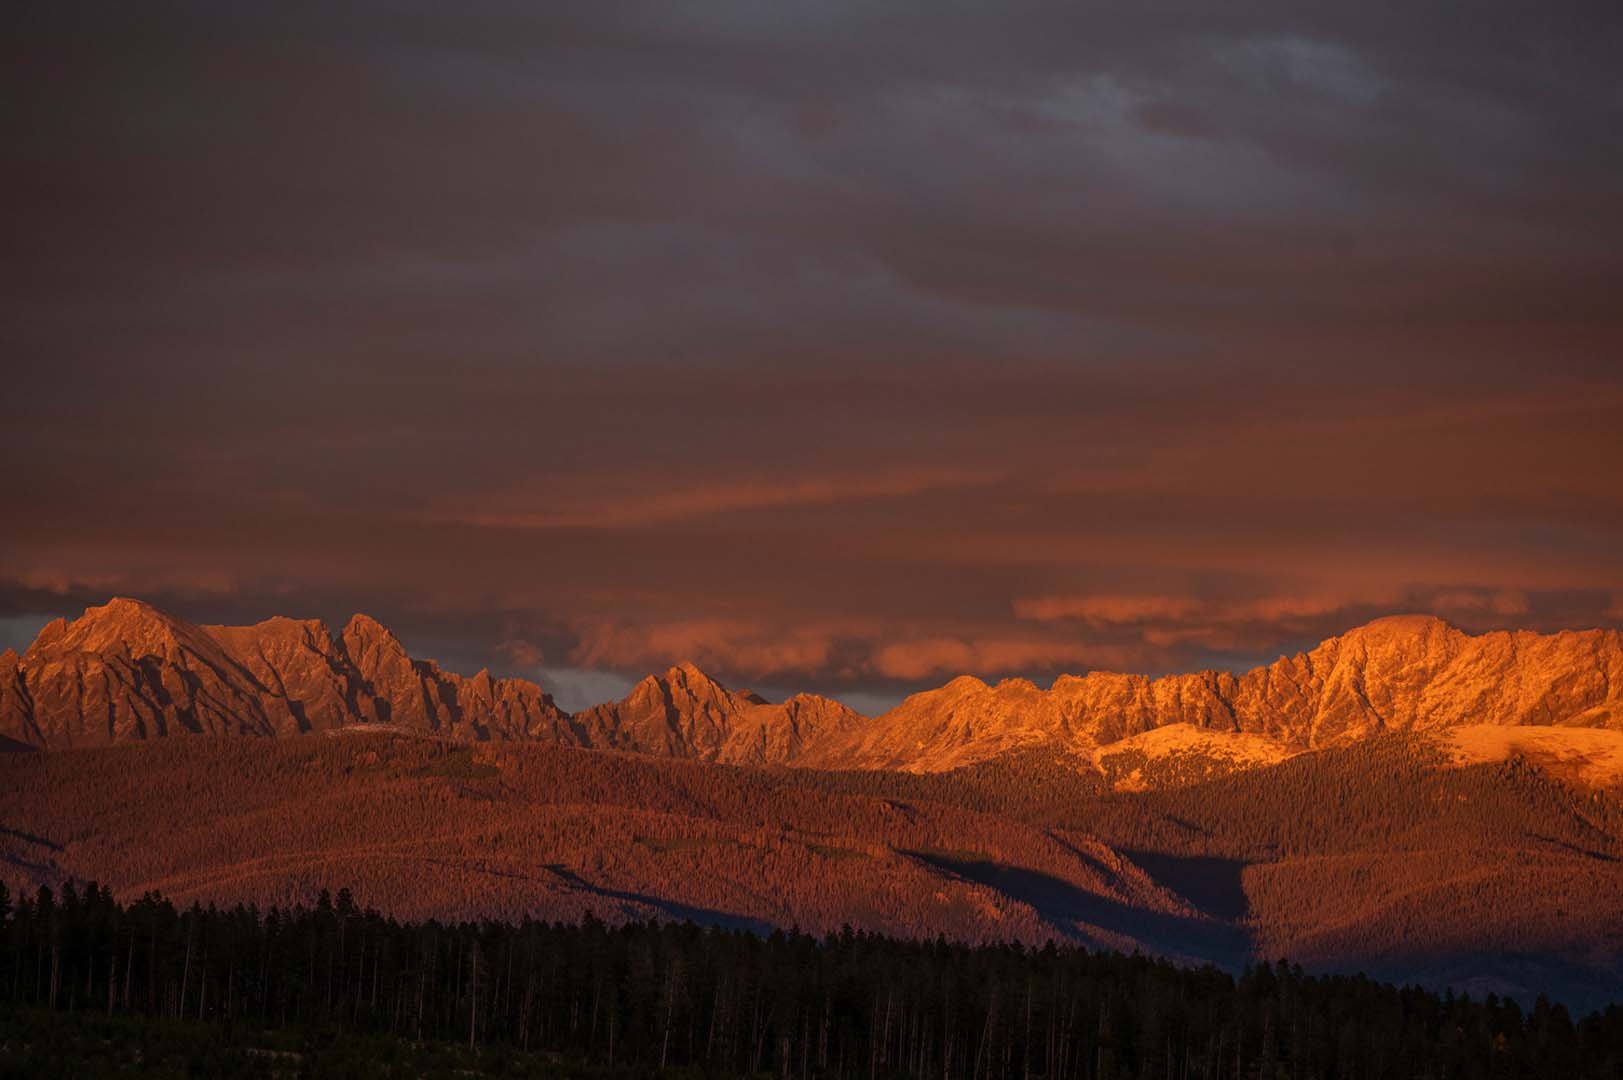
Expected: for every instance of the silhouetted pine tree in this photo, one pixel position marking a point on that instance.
(650, 997)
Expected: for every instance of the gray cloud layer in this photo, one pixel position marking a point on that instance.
(819, 341)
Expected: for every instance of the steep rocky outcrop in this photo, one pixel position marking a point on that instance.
(685, 713)
(1411, 673)
(307, 681)
(16, 706)
(418, 694)
(126, 671)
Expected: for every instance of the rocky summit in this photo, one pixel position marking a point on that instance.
(127, 671)
(1403, 673)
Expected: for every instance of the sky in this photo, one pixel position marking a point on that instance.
(841, 346)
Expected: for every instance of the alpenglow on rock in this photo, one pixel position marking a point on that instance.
(126, 671)
(1402, 673)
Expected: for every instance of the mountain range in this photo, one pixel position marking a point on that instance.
(1403, 799)
(126, 671)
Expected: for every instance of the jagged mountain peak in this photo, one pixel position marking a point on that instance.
(690, 675)
(278, 631)
(127, 670)
(1403, 672)
(684, 688)
(687, 713)
(367, 630)
(124, 608)
(375, 650)
(284, 624)
(959, 687)
(808, 699)
(1401, 624)
(686, 668)
(128, 628)
(1408, 634)
(120, 619)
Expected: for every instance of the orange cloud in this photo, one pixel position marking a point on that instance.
(194, 581)
(1166, 622)
(1106, 609)
(1193, 611)
(1467, 602)
(852, 650)
(655, 505)
(942, 656)
(520, 653)
(732, 646)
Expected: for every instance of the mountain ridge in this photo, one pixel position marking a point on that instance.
(1403, 798)
(1403, 672)
(126, 671)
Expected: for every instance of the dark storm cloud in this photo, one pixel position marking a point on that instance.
(817, 342)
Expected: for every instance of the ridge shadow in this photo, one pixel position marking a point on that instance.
(1213, 884)
(671, 909)
(1063, 904)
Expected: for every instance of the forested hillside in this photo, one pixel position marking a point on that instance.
(1372, 858)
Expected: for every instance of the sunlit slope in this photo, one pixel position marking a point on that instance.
(1387, 855)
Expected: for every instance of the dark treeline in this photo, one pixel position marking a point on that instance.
(653, 997)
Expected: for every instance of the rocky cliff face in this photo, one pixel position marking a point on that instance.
(1413, 673)
(685, 713)
(417, 694)
(127, 671)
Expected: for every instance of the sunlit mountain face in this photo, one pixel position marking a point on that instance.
(1141, 480)
(1404, 799)
(127, 672)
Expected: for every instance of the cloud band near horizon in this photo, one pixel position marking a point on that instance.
(838, 347)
